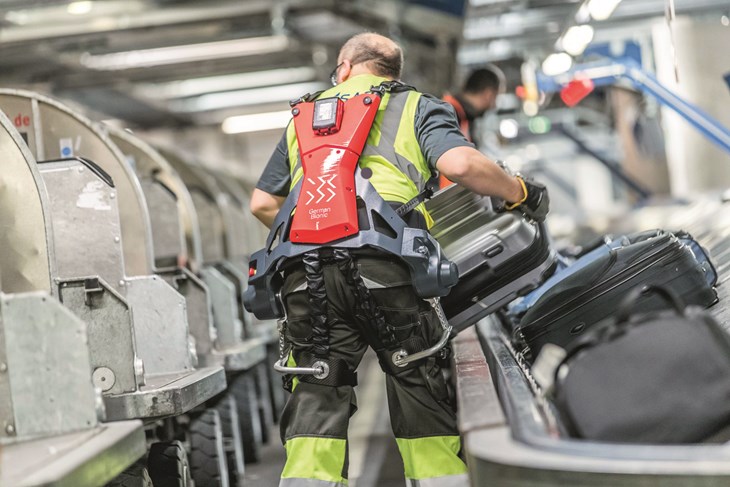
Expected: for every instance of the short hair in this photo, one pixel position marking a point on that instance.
(383, 56)
(484, 79)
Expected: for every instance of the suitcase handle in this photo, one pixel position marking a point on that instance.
(629, 302)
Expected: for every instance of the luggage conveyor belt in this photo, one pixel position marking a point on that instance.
(510, 434)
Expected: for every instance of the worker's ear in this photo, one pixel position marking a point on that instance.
(344, 72)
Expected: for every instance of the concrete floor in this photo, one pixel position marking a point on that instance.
(374, 457)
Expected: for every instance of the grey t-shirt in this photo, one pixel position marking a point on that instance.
(437, 131)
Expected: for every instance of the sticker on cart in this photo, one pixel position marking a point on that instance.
(67, 147)
(94, 197)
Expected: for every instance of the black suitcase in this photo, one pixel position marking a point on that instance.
(593, 293)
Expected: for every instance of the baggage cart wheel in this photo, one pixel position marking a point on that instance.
(207, 457)
(243, 389)
(263, 393)
(134, 476)
(168, 464)
(232, 442)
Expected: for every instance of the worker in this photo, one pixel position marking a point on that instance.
(325, 298)
(477, 97)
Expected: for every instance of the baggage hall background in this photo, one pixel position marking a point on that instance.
(588, 349)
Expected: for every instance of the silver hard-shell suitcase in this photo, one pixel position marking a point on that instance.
(500, 255)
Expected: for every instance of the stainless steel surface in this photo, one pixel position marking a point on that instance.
(24, 262)
(58, 133)
(150, 164)
(89, 458)
(229, 328)
(239, 277)
(47, 371)
(198, 305)
(167, 395)
(167, 235)
(242, 356)
(210, 217)
(110, 331)
(86, 229)
(160, 325)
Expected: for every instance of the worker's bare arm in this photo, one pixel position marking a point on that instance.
(265, 206)
(473, 170)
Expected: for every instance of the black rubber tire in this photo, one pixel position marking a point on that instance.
(168, 465)
(243, 388)
(232, 443)
(207, 456)
(134, 476)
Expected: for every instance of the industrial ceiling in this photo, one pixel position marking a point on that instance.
(174, 62)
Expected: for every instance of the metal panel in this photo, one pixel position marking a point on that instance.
(89, 458)
(211, 227)
(239, 279)
(199, 311)
(63, 133)
(24, 261)
(86, 228)
(167, 236)
(167, 395)
(228, 326)
(47, 366)
(160, 325)
(211, 222)
(149, 163)
(111, 342)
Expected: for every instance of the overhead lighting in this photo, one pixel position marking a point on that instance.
(509, 128)
(79, 8)
(227, 82)
(602, 9)
(576, 39)
(557, 63)
(258, 96)
(160, 56)
(256, 122)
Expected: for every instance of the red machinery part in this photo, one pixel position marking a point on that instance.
(327, 206)
(576, 90)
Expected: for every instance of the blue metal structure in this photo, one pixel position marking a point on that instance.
(609, 71)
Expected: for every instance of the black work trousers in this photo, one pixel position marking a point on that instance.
(315, 419)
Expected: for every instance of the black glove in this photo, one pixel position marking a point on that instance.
(536, 203)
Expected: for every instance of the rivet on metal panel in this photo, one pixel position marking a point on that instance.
(122, 283)
(116, 239)
(3, 367)
(112, 195)
(81, 169)
(103, 378)
(10, 429)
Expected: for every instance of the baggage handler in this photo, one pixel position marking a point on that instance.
(477, 97)
(413, 135)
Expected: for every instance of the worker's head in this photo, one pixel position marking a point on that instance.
(482, 87)
(368, 53)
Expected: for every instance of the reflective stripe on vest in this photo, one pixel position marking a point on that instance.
(400, 170)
